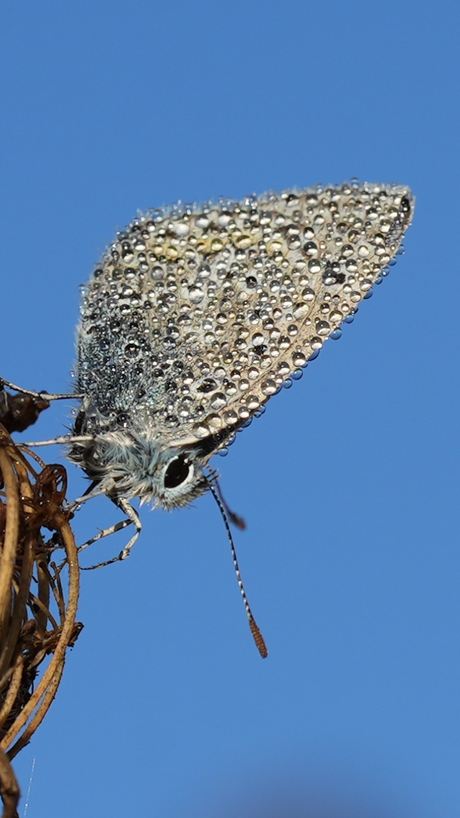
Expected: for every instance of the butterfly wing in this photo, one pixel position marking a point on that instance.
(196, 316)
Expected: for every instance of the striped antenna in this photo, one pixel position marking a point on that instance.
(258, 638)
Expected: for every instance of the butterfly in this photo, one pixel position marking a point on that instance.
(196, 315)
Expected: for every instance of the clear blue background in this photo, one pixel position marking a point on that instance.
(349, 483)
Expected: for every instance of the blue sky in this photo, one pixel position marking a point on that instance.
(349, 483)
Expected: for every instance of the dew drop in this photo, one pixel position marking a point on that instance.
(181, 229)
(300, 309)
(196, 295)
(131, 350)
(298, 358)
(218, 400)
(230, 417)
(269, 387)
(215, 421)
(252, 402)
(201, 430)
(243, 242)
(322, 328)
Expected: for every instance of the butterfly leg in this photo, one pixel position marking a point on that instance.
(132, 518)
(106, 532)
(63, 439)
(48, 396)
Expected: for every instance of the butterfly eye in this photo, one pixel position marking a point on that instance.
(177, 472)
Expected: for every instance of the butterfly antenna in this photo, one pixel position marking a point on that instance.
(258, 638)
(234, 518)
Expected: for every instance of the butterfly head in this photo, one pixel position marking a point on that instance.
(127, 463)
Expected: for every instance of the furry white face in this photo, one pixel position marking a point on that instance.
(127, 465)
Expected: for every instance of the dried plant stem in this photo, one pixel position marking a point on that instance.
(31, 505)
